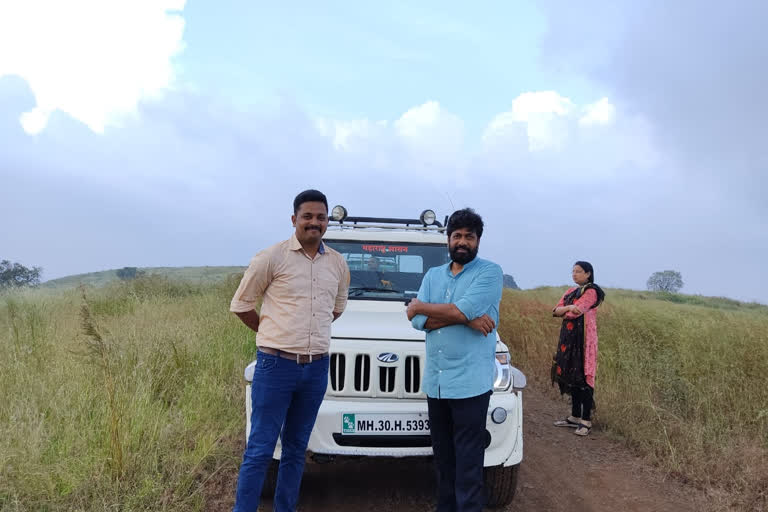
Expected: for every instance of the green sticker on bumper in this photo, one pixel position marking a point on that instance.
(348, 424)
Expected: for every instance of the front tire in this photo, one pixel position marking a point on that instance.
(500, 484)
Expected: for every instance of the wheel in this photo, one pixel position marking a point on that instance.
(500, 484)
(270, 480)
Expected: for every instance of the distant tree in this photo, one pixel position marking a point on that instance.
(666, 281)
(509, 282)
(15, 275)
(128, 273)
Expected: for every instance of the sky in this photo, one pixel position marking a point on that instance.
(177, 133)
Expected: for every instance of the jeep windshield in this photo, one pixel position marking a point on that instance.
(388, 270)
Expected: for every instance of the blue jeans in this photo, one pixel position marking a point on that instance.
(287, 396)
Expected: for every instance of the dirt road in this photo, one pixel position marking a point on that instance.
(560, 472)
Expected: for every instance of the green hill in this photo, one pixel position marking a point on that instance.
(676, 298)
(201, 275)
(209, 275)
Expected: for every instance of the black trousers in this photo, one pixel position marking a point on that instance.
(582, 402)
(457, 427)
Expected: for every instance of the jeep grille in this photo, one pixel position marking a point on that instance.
(356, 374)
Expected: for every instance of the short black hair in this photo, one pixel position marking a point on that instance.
(465, 218)
(307, 196)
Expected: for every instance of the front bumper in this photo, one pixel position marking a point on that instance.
(506, 438)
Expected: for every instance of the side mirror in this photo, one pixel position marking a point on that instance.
(249, 371)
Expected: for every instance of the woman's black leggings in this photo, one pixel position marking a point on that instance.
(582, 400)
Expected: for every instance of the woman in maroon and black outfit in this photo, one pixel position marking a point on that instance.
(575, 361)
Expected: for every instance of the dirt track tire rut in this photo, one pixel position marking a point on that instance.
(559, 472)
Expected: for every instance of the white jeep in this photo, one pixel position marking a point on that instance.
(374, 405)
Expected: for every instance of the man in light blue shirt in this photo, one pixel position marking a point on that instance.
(458, 307)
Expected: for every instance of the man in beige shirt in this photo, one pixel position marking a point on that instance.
(304, 287)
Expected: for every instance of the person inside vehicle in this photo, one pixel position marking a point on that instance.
(374, 265)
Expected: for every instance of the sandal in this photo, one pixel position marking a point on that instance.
(570, 421)
(585, 427)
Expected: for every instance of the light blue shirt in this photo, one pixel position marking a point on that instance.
(460, 360)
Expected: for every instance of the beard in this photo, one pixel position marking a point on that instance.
(462, 258)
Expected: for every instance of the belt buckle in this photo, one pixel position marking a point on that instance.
(307, 358)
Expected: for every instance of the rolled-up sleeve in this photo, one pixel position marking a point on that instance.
(255, 280)
(419, 321)
(343, 293)
(484, 292)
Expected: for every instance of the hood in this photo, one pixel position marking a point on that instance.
(375, 320)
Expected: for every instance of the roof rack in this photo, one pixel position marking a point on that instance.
(427, 221)
(387, 220)
(386, 226)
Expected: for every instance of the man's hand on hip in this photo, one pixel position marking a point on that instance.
(251, 319)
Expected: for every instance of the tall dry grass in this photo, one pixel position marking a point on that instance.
(128, 414)
(683, 380)
(101, 351)
(686, 385)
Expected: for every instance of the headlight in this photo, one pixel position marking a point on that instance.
(338, 213)
(427, 217)
(503, 375)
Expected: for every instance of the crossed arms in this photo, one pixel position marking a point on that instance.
(469, 310)
(573, 309)
(443, 315)
(576, 309)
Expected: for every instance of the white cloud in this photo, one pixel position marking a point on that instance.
(351, 135)
(93, 59)
(600, 112)
(427, 136)
(429, 128)
(543, 133)
(540, 113)
(546, 120)
(541, 104)
(547, 127)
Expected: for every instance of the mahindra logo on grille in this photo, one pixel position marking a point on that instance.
(388, 357)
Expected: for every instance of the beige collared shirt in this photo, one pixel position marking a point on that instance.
(300, 295)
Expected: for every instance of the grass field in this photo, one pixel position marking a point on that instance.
(682, 379)
(139, 408)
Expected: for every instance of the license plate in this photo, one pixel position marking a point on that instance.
(384, 424)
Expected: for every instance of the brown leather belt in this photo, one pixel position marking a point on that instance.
(299, 358)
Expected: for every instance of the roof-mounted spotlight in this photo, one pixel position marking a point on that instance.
(427, 217)
(339, 213)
